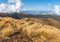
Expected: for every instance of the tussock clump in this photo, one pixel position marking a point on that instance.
(7, 27)
(7, 32)
(25, 19)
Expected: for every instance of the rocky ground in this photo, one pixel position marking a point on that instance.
(29, 30)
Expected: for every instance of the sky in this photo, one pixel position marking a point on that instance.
(40, 4)
(17, 5)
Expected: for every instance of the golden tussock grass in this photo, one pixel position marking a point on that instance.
(36, 29)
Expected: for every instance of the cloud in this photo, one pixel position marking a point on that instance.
(3, 7)
(56, 9)
(16, 7)
(10, 1)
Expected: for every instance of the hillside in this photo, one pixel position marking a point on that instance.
(29, 30)
(46, 21)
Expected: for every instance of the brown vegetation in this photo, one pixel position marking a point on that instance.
(29, 30)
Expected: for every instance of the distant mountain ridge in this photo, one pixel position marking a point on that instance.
(21, 15)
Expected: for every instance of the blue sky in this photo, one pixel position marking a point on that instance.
(37, 4)
(40, 4)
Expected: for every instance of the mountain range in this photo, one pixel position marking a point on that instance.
(35, 12)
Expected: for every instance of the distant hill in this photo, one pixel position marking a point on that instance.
(21, 15)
